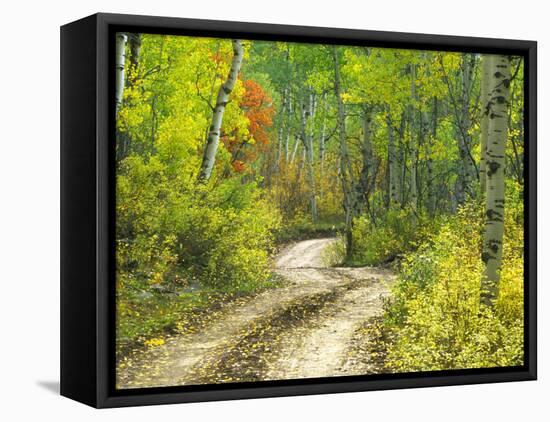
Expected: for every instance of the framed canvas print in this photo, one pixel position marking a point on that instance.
(253, 210)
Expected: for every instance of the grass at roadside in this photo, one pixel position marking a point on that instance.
(144, 318)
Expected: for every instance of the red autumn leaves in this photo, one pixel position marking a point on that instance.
(258, 108)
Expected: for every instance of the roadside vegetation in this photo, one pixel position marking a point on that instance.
(228, 150)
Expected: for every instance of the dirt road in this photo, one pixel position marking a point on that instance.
(302, 330)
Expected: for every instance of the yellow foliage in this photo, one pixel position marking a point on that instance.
(435, 319)
(154, 342)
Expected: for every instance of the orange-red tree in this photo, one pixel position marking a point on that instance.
(258, 108)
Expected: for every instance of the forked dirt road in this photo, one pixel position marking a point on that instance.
(302, 330)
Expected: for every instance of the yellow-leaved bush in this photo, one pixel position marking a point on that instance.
(181, 245)
(435, 321)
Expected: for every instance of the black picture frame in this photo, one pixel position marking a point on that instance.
(87, 210)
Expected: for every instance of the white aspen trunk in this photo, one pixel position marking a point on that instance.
(288, 129)
(484, 101)
(311, 152)
(307, 139)
(303, 159)
(279, 148)
(120, 59)
(496, 147)
(313, 191)
(401, 154)
(464, 124)
(393, 174)
(225, 90)
(345, 164)
(424, 142)
(412, 144)
(460, 185)
(363, 186)
(281, 132)
(294, 149)
(322, 143)
(323, 132)
(431, 191)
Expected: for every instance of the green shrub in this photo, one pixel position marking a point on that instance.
(301, 227)
(393, 234)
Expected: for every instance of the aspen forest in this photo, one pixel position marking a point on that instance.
(288, 210)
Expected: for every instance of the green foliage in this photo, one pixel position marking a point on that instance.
(434, 317)
(301, 227)
(393, 234)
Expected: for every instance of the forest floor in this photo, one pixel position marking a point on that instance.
(314, 326)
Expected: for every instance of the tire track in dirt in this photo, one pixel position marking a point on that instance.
(315, 292)
(321, 348)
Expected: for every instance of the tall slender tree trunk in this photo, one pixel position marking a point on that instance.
(412, 141)
(297, 142)
(322, 143)
(120, 59)
(323, 135)
(393, 173)
(402, 154)
(288, 129)
(468, 173)
(122, 138)
(345, 165)
(363, 187)
(225, 90)
(424, 143)
(308, 110)
(311, 158)
(495, 155)
(484, 101)
(281, 131)
(431, 182)
(134, 44)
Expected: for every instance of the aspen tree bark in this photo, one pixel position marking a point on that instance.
(307, 138)
(222, 99)
(495, 163)
(402, 159)
(393, 174)
(363, 187)
(412, 144)
(288, 129)
(345, 164)
(294, 149)
(120, 59)
(431, 191)
(311, 159)
(468, 172)
(281, 131)
(323, 129)
(322, 143)
(289, 110)
(134, 44)
(484, 101)
(278, 156)
(424, 143)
